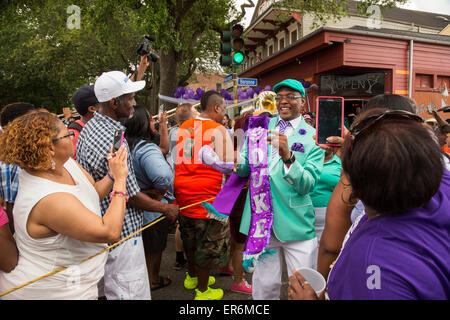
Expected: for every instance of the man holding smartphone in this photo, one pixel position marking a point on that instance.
(126, 274)
(295, 164)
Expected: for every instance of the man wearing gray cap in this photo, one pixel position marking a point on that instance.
(125, 271)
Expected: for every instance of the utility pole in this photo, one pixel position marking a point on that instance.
(235, 86)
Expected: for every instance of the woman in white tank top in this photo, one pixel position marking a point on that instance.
(57, 216)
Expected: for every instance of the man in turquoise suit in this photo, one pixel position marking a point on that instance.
(295, 163)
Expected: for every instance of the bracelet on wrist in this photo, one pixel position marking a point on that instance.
(109, 176)
(120, 194)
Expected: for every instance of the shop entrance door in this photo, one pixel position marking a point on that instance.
(352, 107)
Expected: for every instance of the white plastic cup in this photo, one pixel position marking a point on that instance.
(314, 278)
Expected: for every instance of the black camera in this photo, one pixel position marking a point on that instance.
(145, 49)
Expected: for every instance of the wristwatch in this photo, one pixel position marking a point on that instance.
(291, 159)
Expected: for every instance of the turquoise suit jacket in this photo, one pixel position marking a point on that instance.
(293, 212)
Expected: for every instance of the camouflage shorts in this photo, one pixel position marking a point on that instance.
(209, 239)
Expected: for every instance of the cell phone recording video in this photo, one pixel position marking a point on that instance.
(118, 139)
(329, 118)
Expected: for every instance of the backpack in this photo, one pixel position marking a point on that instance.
(75, 125)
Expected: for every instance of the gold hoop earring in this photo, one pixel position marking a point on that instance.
(351, 199)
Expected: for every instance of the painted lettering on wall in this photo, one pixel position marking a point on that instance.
(367, 84)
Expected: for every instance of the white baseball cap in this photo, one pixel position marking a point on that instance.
(113, 84)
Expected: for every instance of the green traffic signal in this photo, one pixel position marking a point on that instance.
(232, 51)
(238, 44)
(238, 57)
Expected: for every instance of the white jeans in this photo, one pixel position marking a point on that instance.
(266, 280)
(126, 276)
(319, 222)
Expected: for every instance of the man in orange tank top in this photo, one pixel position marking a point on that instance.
(205, 240)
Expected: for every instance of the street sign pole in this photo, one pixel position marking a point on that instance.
(235, 86)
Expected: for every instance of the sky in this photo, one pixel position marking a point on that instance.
(436, 6)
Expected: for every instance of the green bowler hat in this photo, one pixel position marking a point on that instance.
(290, 83)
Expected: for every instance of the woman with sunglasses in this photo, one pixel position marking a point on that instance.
(339, 211)
(57, 214)
(400, 248)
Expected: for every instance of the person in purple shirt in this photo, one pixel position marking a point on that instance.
(399, 249)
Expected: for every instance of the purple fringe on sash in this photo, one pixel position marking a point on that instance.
(226, 198)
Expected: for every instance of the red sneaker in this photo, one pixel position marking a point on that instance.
(226, 271)
(243, 288)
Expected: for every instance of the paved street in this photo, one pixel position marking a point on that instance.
(176, 290)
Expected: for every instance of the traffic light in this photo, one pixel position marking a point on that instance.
(225, 49)
(238, 44)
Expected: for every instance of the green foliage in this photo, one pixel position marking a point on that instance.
(44, 62)
(190, 28)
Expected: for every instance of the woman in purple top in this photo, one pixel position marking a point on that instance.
(400, 248)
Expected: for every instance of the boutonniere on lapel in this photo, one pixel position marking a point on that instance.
(302, 132)
(297, 146)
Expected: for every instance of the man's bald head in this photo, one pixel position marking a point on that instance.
(183, 113)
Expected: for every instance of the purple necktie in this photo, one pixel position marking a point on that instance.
(283, 125)
(282, 128)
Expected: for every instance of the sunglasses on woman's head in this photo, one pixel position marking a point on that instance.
(369, 121)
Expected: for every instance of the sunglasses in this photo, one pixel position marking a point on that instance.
(289, 98)
(369, 121)
(71, 134)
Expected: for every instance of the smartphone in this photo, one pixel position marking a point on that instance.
(329, 118)
(160, 110)
(118, 139)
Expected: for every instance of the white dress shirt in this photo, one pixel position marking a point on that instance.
(287, 132)
(294, 123)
